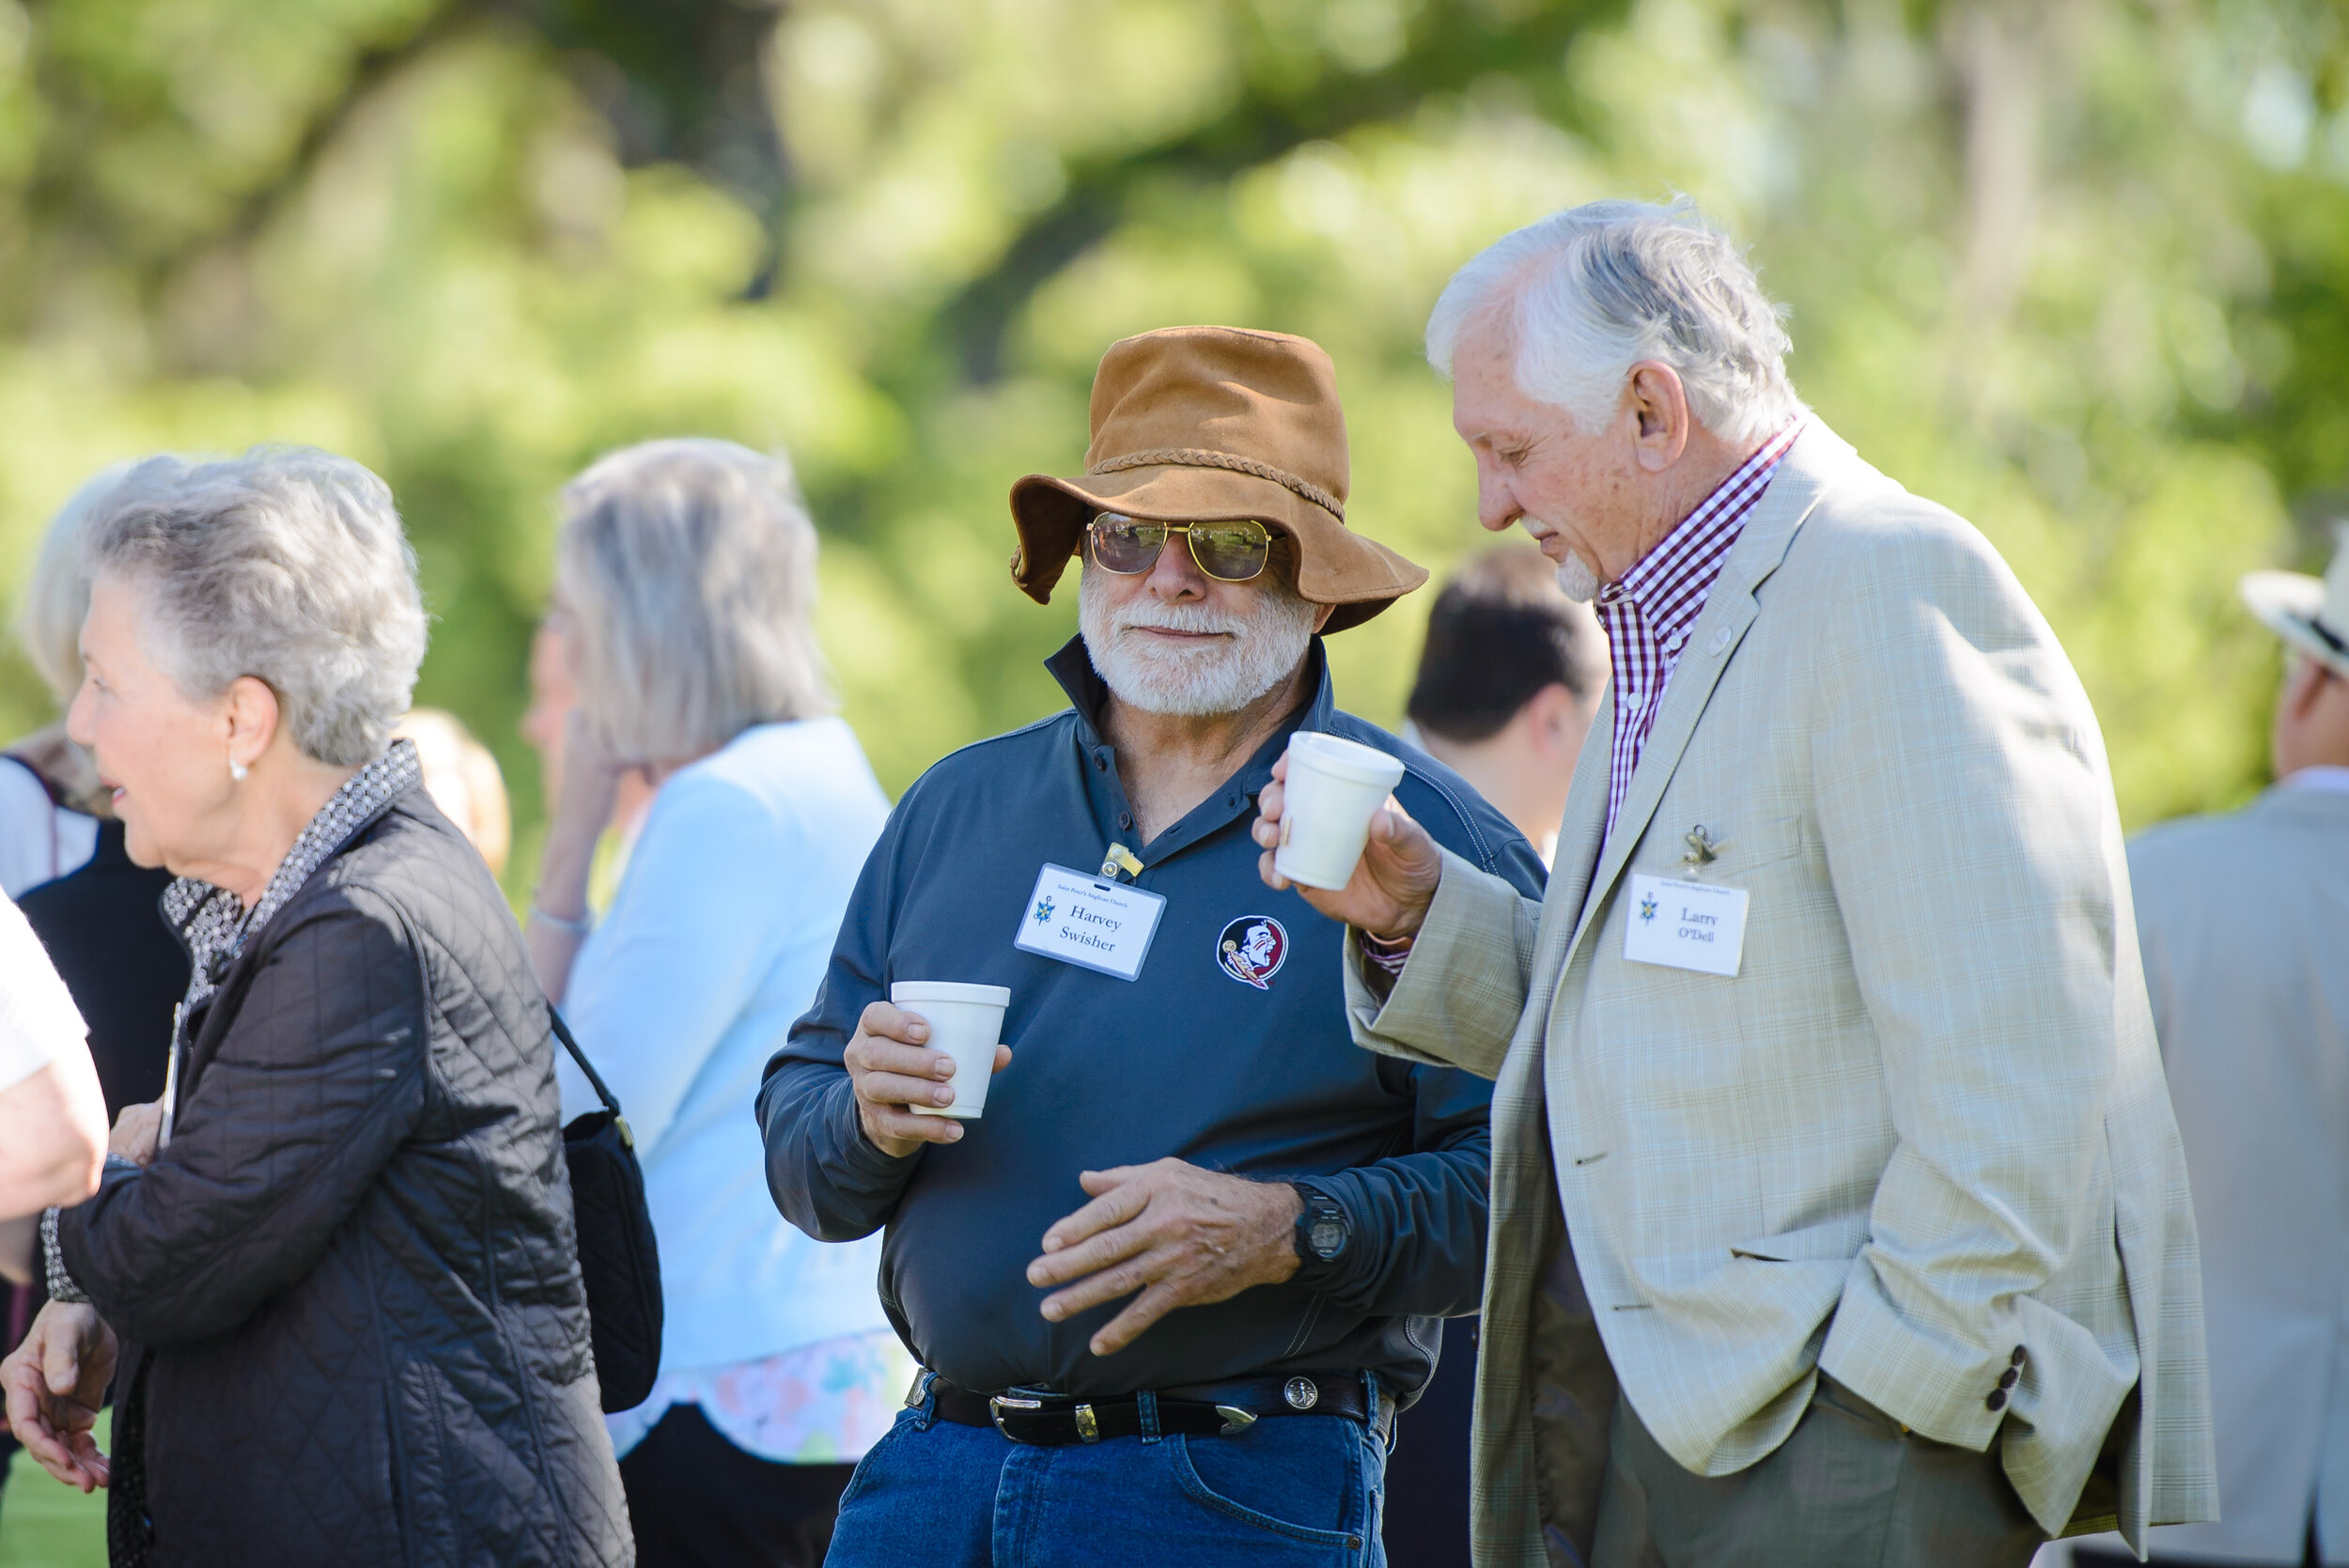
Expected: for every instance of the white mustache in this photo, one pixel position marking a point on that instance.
(1180, 617)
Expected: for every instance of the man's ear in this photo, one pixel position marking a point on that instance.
(253, 718)
(1550, 709)
(1322, 614)
(1660, 405)
(2303, 686)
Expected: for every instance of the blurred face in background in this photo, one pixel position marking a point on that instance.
(552, 695)
(545, 724)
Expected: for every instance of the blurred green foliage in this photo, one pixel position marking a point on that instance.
(2075, 269)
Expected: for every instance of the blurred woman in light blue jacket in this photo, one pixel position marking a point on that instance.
(685, 586)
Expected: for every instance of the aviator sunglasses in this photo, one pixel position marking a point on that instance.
(1231, 552)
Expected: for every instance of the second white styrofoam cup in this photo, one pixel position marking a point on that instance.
(1334, 787)
(966, 1023)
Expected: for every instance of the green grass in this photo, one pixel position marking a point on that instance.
(43, 1524)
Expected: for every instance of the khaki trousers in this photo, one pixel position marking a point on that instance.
(1848, 1490)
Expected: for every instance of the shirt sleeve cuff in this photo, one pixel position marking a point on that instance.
(858, 1152)
(1382, 961)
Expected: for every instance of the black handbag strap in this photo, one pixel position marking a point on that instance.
(595, 1079)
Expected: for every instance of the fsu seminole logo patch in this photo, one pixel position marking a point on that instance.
(1251, 950)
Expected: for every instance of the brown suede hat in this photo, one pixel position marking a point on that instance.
(1201, 424)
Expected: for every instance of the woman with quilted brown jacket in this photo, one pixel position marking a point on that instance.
(330, 1275)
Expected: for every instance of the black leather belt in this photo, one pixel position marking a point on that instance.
(1200, 1410)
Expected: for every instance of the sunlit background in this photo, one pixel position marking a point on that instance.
(2073, 267)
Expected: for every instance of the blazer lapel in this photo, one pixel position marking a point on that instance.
(1809, 468)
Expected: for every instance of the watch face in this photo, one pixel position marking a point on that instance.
(1328, 1238)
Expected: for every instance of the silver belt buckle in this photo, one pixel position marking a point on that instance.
(1001, 1403)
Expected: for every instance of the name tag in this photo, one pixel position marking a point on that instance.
(1081, 920)
(1686, 926)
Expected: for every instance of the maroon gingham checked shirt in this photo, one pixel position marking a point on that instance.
(1649, 611)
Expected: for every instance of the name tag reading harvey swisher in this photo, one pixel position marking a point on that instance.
(1686, 926)
(1081, 919)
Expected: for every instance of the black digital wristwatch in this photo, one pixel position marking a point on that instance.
(1323, 1229)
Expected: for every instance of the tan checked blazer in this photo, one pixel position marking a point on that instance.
(1923, 1126)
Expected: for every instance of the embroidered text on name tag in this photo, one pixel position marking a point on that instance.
(1080, 919)
(1686, 926)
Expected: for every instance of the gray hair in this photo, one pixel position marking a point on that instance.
(286, 564)
(689, 569)
(56, 596)
(1592, 291)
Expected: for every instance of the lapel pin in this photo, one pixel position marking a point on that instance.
(1703, 849)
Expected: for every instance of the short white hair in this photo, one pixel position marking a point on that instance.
(56, 596)
(689, 569)
(1591, 291)
(286, 564)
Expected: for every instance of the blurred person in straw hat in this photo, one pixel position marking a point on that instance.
(1169, 1288)
(2243, 923)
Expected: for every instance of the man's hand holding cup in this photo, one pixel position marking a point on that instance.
(892, 1066)
(1393, 882)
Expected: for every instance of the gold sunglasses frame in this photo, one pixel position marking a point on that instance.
(1272, 538)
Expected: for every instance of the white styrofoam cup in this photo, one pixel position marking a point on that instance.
(1334, 787)
(966, 1023)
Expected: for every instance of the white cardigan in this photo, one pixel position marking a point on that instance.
(714, 944)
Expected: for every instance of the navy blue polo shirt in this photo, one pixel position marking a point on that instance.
(1246, 1067)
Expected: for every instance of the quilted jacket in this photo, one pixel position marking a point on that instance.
(354, 1331)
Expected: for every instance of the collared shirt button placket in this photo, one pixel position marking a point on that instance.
(1649, 612)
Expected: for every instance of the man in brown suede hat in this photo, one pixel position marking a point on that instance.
(1190, 1207)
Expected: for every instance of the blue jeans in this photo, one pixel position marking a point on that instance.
(1290, 1492)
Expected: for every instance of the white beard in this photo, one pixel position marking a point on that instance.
(1261, 650)
(1577, 580)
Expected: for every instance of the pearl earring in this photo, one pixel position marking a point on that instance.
(237, 770)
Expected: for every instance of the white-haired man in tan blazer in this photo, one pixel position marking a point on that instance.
(1838, 1211)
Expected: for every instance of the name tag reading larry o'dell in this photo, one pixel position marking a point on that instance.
(1686, 926)
(1081, 920)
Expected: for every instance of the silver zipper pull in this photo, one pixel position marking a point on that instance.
(171, 1078)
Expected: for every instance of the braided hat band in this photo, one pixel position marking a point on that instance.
(1198, 456)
